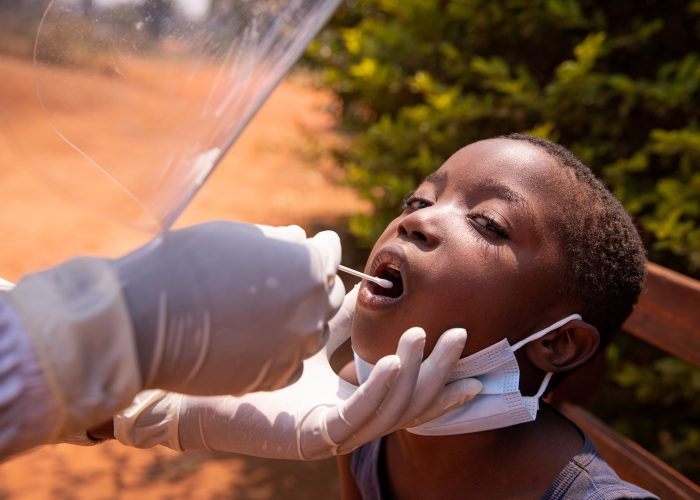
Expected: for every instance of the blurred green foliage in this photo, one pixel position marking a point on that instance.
(653, 399)
(616, 82)
(75, 42)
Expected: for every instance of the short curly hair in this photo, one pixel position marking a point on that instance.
(604, 258)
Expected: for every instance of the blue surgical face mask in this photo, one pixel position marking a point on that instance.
(499, 404)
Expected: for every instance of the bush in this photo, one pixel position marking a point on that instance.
(659, 395)
(616, 82)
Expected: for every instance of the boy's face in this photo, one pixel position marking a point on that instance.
(474, 248)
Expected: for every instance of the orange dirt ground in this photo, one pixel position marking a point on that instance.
(277, 173)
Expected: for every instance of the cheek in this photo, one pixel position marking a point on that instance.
(372, 339)
(479, 296)
(464, 284)
(433, 306)
(458, 296)
(376, 334)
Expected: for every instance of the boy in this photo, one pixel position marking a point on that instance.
(510, 237)
(513, 239)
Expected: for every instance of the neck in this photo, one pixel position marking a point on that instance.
(524, 458)
(467, 449)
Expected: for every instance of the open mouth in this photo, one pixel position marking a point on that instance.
(391, 272)
(390, 264)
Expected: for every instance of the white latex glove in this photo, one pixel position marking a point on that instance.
(230, 308)
(217, 308)
(318, 416)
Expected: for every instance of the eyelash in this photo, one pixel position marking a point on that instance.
(410, 199)
(491, 225)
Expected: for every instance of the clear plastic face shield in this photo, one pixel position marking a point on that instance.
(170, 84)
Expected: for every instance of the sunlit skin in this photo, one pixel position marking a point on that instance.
(476, 248)
(479, 250)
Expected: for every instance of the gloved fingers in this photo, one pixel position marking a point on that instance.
(340, 325)
(308, 346)
(294, 378)
(435, 371)
(453, 395)
(343, 421)
(389, 414)
(326, 244)
(332, 241)
(335, 297)
(293, 233)
(151, 419)
(315, 343)
(282, 369)
(410, 351)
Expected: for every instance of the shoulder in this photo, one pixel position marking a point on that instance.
(588, 476)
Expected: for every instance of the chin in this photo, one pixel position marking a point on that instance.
(372, 337)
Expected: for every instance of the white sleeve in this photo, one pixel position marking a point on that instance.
(27, 407)
(77, 323)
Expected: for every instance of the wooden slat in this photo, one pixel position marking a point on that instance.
(632, 462)
(668, 314)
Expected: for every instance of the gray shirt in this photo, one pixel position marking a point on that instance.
(586, 476)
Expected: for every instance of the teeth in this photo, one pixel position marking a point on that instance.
(392, 266)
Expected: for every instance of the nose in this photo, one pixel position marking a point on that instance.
(423, 226)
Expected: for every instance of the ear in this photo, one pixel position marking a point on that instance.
(565, 348)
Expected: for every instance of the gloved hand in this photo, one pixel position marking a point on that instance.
(227, 308)
(318, 416)
(217, 308)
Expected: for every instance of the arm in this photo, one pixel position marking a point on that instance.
(217, 308)
(27, 407)
(318, 416)
(348, 486)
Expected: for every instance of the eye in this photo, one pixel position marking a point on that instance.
(485, 223)
(413, 202)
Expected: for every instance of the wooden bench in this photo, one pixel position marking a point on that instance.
(667, 316)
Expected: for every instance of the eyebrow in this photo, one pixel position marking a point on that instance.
(500, 190)
(438, 178)
(489, 185)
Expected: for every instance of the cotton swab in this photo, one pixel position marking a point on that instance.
(379, 281)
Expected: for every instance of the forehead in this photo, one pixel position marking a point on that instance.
(514, 163)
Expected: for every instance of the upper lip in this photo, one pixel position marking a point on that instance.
(392, 254)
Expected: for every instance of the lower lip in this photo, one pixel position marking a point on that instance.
(368, 300)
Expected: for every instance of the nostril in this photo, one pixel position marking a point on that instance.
(419, 236)
(412, 234)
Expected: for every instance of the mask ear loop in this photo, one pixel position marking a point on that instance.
(532, 403)
(540, 334)
(543, 385)
(544, 332)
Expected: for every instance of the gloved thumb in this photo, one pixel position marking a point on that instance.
(341, 324)
(327, 245)
(455, 394)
